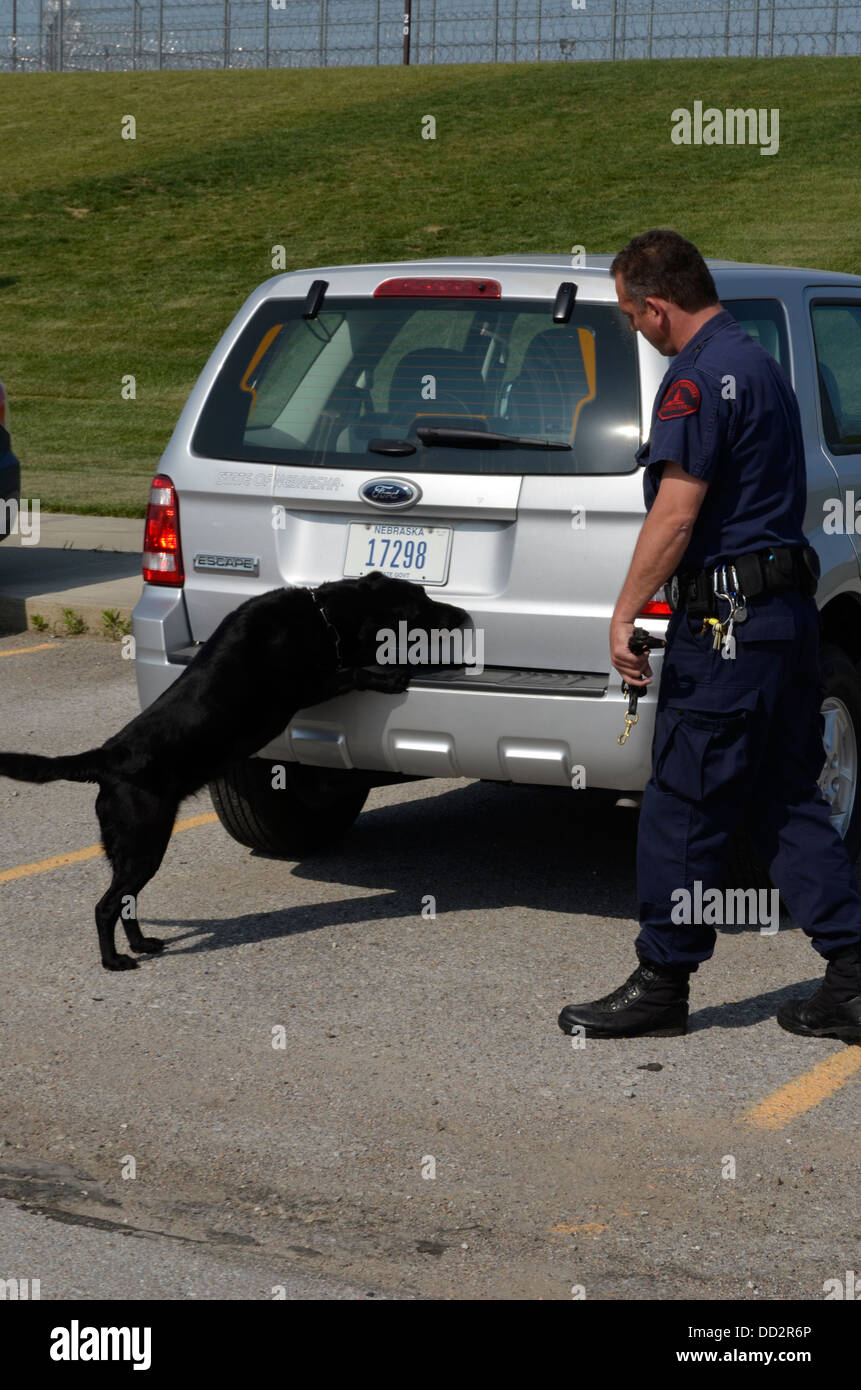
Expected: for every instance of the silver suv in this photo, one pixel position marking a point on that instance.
(470, 424)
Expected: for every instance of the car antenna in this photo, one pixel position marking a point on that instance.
(565, 296)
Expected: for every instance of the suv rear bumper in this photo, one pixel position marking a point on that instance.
(448, 724)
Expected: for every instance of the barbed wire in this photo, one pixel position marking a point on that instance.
(74, 35)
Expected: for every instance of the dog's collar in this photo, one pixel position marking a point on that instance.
(327, 620)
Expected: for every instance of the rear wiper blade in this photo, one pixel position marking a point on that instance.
(482, 439)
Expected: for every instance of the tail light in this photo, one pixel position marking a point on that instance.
(3, 407)
(657, 607)
(162, 553)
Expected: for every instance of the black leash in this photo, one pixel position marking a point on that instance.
(639, 642)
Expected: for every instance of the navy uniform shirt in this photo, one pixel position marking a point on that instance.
(726, 413)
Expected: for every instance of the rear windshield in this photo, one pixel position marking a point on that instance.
(334, 390)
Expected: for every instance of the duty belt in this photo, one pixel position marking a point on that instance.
(761, 571)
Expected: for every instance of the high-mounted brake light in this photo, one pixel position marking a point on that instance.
(417, 288)
(162, 553)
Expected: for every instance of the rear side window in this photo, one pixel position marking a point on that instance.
(765, 321)
(837, 338)
(320, 391)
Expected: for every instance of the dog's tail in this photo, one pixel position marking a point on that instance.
(30, 767)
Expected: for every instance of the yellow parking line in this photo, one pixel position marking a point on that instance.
(77, 856)
(807, 1090)
(37, 647)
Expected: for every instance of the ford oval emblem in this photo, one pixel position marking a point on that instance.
(392, 493)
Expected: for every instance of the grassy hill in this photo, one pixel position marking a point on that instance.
(130, 256)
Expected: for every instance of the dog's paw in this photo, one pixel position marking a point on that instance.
(120, 963)
(398, 681)
(149, 945)
(385, 682)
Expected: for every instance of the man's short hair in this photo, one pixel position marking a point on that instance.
(663, 264)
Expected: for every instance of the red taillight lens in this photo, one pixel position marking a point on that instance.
(162, 553)
(437, 288)
(656, 607)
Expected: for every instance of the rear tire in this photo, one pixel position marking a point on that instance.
(839, 779)
(310, 813)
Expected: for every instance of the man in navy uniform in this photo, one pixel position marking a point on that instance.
(738, 734)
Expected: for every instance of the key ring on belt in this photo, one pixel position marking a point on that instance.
(722, 592)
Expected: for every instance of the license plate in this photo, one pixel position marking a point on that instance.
(420, 553)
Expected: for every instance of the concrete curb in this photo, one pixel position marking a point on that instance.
(88, 564)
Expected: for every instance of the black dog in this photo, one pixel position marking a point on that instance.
(274, 655)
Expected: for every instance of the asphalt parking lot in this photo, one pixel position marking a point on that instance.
(425, 1130)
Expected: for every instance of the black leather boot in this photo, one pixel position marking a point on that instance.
(652, 1003)
(834, 1011)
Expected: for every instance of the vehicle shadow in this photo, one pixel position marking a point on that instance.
(476, 847)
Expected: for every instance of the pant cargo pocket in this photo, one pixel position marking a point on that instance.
(701, 752)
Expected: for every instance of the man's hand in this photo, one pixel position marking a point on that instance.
(634, 669)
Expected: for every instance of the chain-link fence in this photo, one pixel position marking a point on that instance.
(76, 35)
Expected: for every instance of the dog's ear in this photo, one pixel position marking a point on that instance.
(376, 579)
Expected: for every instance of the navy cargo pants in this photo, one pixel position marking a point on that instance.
(739, 744)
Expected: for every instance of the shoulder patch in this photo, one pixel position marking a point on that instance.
(682, 398)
